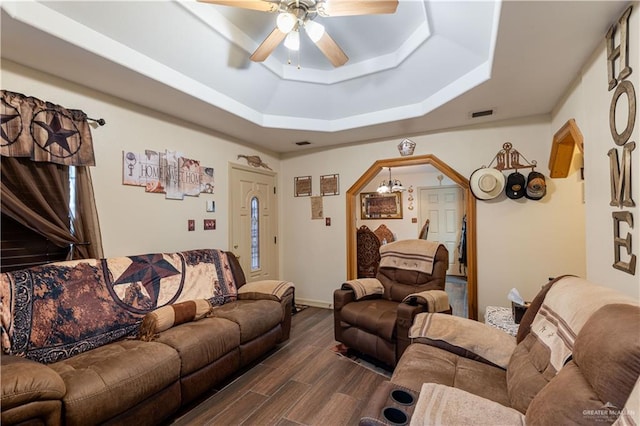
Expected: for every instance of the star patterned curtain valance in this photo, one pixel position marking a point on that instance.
(44, 131)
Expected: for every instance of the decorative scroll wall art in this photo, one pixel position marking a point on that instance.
(316, 207)
(329, 185)
(621, 196)
(44, 131)
(302, 186)
(167, 173)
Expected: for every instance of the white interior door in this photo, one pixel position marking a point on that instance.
(253, 221)
(444, 207)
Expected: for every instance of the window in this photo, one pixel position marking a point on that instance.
(255, 234)
(21, 246)
(48, 214)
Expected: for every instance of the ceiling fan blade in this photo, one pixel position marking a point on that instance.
(263, 6)
(331, 50)
(268, 45)
(357, 7)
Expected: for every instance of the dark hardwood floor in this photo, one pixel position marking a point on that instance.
(302, 383)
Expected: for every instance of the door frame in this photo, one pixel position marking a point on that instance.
(270, 173)
(470, 203)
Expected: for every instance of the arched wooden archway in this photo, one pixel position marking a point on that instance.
(470, 205)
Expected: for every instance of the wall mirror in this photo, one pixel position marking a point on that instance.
(354, 210)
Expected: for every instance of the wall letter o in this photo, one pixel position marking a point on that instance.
(624, 86)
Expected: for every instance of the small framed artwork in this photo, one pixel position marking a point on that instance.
(329, 185)
(211, 206)
(209, 224)
(381, 206)
(302, 186)
(191, 225)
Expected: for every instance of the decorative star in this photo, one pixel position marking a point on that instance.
(5, 118)
(57, 134)
(148, 270)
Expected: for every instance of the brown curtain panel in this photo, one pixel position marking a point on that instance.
(85, 222)
(36, 195)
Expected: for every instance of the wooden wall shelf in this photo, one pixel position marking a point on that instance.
(564, 142)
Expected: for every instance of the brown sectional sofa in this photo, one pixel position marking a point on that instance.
(575, 360)
(71, 352)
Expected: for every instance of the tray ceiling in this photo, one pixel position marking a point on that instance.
(424, 68)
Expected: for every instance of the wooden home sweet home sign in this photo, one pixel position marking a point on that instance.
(620, 173)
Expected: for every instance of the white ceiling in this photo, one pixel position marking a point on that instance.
(422, 69)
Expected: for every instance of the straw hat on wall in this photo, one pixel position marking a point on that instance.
(486, 183)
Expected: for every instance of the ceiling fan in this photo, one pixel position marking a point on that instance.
(294, 15)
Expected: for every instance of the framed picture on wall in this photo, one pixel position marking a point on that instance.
(381, 206)
(329, 185)
(302, 186)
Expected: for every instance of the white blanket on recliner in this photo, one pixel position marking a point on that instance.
(490, 343)
(363, 287)
(412, 255)
(566, 308)
(445, 405)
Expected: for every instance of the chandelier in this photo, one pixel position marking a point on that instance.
(391, 185)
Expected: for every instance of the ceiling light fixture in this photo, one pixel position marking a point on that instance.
(286, 22)
(314, 30)
(387, 187)
(292, 42)
(293, 14)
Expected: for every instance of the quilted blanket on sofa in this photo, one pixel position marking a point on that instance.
(52, 312)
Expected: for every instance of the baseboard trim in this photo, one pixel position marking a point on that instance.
(315, 303)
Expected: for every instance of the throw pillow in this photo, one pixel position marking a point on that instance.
(169, 316)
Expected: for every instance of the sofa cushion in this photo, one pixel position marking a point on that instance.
(169, 316)
(376, 316)
(111, 379)
(423, 363)
(607, 351)
(529, 371)
(43, 383)
(202, 342)
(254, 317)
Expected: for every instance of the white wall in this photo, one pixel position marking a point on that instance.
(588, 102)
(131, 220)
(520, 242)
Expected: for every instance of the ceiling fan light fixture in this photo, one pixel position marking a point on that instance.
(286, 22)
(314, 30)
(292, 42)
